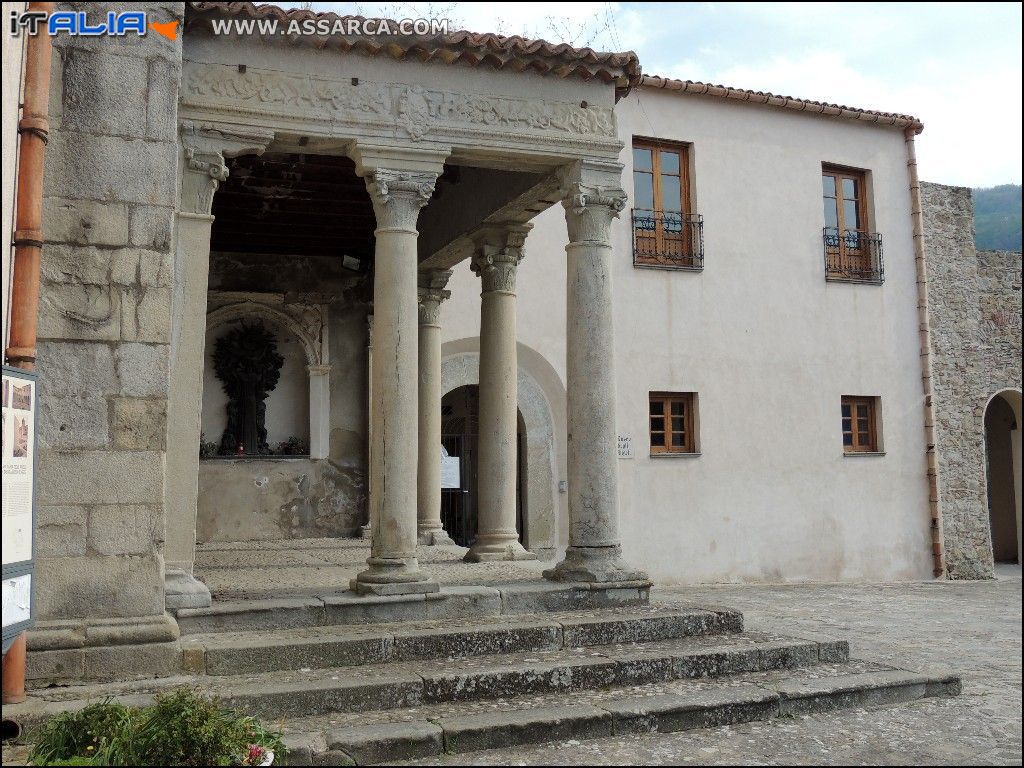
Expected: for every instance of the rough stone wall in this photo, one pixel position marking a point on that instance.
(975, 316)
(104, 322)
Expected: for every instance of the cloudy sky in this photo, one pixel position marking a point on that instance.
(956, 66)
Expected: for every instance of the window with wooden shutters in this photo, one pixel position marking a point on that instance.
(666, 232)
(671, 417)
(852, 251)
(860, 424)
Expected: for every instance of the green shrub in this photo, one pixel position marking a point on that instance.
(182, 728)
(84, 735)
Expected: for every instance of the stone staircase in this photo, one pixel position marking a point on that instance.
(375, 680)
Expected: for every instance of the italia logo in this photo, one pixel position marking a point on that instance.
(77, 23)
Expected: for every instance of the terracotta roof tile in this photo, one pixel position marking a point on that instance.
(475, 49)
(785, 102)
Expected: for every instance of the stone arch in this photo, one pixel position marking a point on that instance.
(1002, 473)
(460, 366)
(247, 310)
(311, 336)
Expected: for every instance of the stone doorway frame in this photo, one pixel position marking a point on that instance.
(542, 505)
(1012, 397)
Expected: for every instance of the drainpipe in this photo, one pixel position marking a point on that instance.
(924, 329)
(33, 130)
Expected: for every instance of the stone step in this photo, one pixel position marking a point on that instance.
(306, 692)
(230, 653)
(452, 602)
(457, 728)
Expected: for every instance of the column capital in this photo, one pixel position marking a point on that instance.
(497, 251)
(318, 370)
(398, 196)
(592, 196)
(432, 293)
(205, 146)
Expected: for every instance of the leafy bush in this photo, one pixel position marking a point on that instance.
(182, 728)
(84, 735)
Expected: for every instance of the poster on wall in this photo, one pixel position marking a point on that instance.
(19, 464)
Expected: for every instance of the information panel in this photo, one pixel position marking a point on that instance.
(19, 463)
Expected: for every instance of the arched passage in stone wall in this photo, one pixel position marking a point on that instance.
(1003, 474)
(460, 366)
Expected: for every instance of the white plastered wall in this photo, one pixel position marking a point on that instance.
(769, 346)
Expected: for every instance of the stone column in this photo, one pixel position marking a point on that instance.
(594, 199)
(202, 170)
(398, 195)
(319, 410)
(428, 503)
(495, 260)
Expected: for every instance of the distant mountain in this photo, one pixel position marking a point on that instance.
(997, 218)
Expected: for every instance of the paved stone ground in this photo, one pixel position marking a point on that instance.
(973, 627)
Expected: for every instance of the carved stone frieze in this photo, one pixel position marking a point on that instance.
(410, 109)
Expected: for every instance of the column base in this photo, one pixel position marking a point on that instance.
(393, 576)
(600, 565)
(493, 547)
(183, 590)
(432, 537)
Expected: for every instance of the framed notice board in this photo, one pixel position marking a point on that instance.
(20, 407)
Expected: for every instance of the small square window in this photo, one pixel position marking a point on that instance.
(860, 424)
(673, 423)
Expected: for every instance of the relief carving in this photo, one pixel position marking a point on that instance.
(413, 109)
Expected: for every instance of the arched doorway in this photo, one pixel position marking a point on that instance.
(1003, 474)
(460, 411)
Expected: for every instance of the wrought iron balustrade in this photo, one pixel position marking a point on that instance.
(853, 255)
(668, 239)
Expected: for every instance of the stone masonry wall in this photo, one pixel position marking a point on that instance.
(975, 315)
(104, 325)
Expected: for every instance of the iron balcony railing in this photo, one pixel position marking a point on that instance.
(853, 256)
(668, 239)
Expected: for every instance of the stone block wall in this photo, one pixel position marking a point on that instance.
(110, 194)
(975, 316)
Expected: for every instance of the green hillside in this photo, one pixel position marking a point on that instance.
(997, 218)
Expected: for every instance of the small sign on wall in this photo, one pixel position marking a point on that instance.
(450, 474)
(625, 447)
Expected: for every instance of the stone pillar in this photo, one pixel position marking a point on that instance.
(594, 199)
(495, 260)
(400, 184)
(319, 411)
(202, 170)
(428, 502)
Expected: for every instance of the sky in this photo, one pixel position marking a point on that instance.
(955, 66)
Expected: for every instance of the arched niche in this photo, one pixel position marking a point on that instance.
(302, 324)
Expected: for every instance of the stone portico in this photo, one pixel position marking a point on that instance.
(455, 160)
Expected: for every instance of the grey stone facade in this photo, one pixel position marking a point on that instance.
(104, 327)
(975, 316)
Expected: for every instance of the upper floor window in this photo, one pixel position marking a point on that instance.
(852, 251)
(666, 233)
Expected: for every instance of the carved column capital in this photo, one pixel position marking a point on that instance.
(497, 253)
(431, 294)
(590, 209)
(398, 196)
(204, 150)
